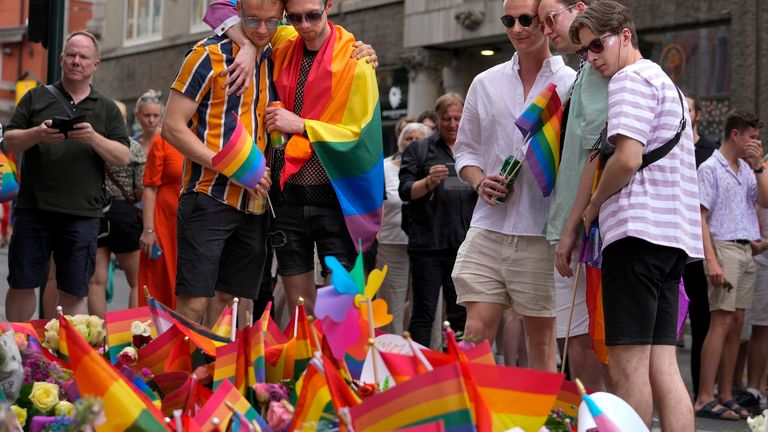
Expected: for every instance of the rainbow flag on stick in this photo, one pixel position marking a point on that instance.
(540, 124)
(437, 395)
(118, 325)
(125, 407)
(240, 159)
(343, 127)
(9, 187)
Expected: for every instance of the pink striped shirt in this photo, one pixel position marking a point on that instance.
(661, 202)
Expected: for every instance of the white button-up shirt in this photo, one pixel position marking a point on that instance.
(487, 135)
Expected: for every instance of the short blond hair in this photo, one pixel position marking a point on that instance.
(447, 100)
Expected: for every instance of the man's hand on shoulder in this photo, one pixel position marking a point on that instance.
(240, 70)
(83, 132)
(49, 134)
(363, 50)
(283, 120)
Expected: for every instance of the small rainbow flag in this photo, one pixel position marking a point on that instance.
(568, 399)
(546, 105)
(314, 408)
(256, 369)
(157, 355)
(222, 404)
(119, 328)
(9, 187)
(437, 395)
(543, 154)
(240, 159)
(125, 407)
(223, 325)
(272, 334)
(231, 362)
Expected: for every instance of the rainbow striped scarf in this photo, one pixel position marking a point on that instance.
(341, 105)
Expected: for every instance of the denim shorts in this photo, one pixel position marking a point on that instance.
(298, 228)
(220, 248)
(71, 239)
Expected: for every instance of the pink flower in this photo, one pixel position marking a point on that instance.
(262, 392)
(280, 415)
(128, 356)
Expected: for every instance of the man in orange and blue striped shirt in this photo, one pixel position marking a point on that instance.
(222, 226)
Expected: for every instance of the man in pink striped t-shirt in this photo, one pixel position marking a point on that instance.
(649, 216)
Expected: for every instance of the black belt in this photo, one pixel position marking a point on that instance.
(741, 242)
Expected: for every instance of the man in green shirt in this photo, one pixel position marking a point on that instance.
(587, 116)
(60, 200)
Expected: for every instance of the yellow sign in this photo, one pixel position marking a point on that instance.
(22, 87)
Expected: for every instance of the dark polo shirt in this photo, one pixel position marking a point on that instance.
(65, 177)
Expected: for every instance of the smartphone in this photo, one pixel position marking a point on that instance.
(66, 124)
(156, 252)
(453, 182)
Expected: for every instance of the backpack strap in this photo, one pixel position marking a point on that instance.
(659, 152)
(62, 100)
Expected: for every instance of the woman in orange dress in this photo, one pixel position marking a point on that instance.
(162, 180)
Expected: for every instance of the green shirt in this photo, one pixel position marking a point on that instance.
(586, 118)
(65, 177)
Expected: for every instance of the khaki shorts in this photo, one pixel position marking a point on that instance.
(564, 294)
(506, 269)
(739, 269)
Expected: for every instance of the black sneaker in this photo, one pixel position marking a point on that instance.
(749, 402)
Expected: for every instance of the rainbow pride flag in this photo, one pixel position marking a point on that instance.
(568, 399)
(223, 404)
(437, 395)
(231, 363)
(157, 354)
(256, 371)
(343, 127)
(546, 105)
(164, 318)
(9, 187)
(118, 325)
(543, 153)
(223, 325)
(314, 408)
(125, 407)
(515, 397)
(272, 334)
(241, 159)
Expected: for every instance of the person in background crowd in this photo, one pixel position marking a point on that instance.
(438, 219)
(694, 279)
(429, 118)
(642, 259)
(157, 263)
(505, 260)
(121, 229)
(587, 114)
(731, 183)
(148, 112)
(60, 202)
(401, 124)
(393, 241)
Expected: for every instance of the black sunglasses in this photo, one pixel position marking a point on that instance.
(311, 18)
(525, 20)
(596, 46)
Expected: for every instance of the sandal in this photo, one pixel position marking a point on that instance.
(735, 407)
(710, 410)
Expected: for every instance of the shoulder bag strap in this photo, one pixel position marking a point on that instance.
(62, 100)
(658, 153)
(119, 186)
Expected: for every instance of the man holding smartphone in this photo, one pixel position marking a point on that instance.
(60, 200)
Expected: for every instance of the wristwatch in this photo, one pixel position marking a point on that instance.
(758, 170)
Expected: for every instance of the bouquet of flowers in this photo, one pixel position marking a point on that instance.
(758, 423)
(275, 408)
(90, 327)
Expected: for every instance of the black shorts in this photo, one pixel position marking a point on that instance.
(220, 248)
(71, 239)
(299, 227)
(641, 287)
(124, 228)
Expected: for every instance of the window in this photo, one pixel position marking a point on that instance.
(197, 12)
(143, 21)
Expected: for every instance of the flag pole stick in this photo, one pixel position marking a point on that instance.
(570, 316)
(296, 317)
(417, 352)
(235, 304)
(372, 341)
(312, 328)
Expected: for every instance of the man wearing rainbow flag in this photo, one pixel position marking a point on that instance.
(331, 171)
(222, 224)
(505, 259)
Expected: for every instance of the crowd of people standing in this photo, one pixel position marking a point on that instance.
(670, 204)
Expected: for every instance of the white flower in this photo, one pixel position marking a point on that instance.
(139, 328)
(758, 423)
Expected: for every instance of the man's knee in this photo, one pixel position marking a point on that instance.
(193, 308)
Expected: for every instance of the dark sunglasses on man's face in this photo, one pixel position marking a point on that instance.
(596, 46)
(525, 20)
(311, 18)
